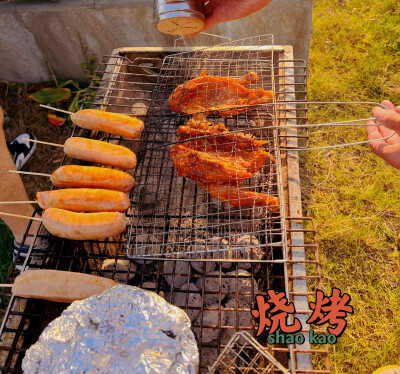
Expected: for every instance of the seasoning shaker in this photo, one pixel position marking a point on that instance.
(179, 17)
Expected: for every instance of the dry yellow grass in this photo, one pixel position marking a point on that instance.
(351, 193)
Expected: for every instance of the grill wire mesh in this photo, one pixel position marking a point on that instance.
(124, 83)
(244, 354)
(175, 215)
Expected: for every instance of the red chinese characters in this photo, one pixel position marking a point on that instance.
(278, 308)
(332, 310)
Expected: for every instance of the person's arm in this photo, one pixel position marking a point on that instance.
(386, 121)
(12, 189)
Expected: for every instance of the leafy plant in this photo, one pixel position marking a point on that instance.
(50, 95)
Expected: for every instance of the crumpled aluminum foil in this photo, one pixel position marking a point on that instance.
(123, 330)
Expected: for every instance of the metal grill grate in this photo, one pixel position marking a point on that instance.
(244, 354)
(176, 216)
(124, 83)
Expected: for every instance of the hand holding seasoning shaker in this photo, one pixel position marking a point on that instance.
(179, 17)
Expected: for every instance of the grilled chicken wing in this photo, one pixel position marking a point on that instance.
(219, 160)
(221, 95)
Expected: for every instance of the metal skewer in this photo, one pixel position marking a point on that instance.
(19, 202)
(20, 216)
(62, 111)
(29, 173)
(56, 109)
(346, 123)
(42, 142)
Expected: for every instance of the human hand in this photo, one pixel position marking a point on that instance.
(389, 121)
(217, 11)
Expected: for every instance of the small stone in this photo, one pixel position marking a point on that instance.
(245, 318)
(202, 266)
(246, 249)
(192, 299)
(147, 244)
(120, 270)
(176, 273)
(222, 251)
(210, 318)
(139, 109)
(246, 288)
(218, 244)
(212, 284)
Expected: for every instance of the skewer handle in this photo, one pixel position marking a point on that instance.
(42, 142)
(18, 202)
(29, 173)
(20, 216)
(56, 109)
(4, 285)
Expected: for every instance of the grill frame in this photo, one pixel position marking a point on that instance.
(87, 256)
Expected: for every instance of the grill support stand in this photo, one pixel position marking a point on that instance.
(295, 210)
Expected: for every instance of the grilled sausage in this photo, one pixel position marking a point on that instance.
(92, 177)
(113, 123)
(60, 286)
(100, 152)
(84, 200)
(83, 226)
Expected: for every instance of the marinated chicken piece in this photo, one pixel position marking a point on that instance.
(219, 160)
(208, 165)
(241, 149)
(224, 96)
(216, 155)
(239, 196)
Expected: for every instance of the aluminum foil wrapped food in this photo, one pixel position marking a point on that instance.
(122, 330)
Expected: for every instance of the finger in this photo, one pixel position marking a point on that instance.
(390, 153)
(388, 104)
(209, 22)
(384, 131)
(211, 19)
(210, 6)
(373, 132)
(388, 135)
(397, 109)
(377, 146)
(387, 118)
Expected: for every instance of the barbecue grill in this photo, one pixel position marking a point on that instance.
(174, 224)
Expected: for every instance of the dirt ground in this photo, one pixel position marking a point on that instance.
(27, 116)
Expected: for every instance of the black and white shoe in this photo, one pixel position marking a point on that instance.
(19, 255)
(21, 150)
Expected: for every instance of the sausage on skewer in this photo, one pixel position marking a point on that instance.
(84, 200)
(112, 123)
(92, 177)
(83, 226)
(59, 286)
(100, 152)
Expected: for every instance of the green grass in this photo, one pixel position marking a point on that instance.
(6, 248)
(352, 194)
(6, 257)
